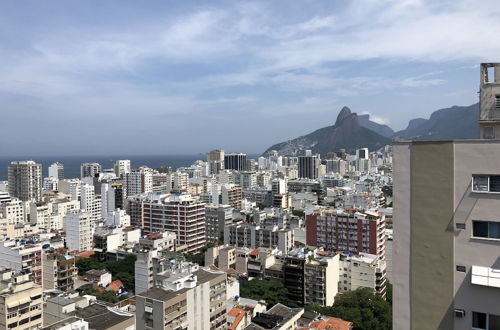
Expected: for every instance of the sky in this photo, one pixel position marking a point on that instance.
(179, 77)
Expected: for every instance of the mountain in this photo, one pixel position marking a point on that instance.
(347, 133)
(445, 124)
(384, 130)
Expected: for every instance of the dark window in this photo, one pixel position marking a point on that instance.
(480, 229)
(493, 322)
(497, 102)
(478, 320)
(461, 269)
(495, 183)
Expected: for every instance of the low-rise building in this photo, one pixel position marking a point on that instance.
(22, 301)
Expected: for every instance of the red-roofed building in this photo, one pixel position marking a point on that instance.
(237, 319)
(329, 323)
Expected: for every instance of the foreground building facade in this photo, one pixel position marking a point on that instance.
(446, 235)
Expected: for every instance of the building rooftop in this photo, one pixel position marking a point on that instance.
(62, 323)
(274, 318)
(61, 301)
(101, 317)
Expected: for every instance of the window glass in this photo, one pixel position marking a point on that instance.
(478, 320)
(480, 229)
(494, 230)
(480, 183)
(494, 322)
(495, 183)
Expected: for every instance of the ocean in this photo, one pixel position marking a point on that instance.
(72, 163)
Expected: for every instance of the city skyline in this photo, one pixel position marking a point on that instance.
(183, 78)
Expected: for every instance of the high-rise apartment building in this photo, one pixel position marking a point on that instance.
(108, 199)
(90, 170)
(347, 230)
(56, 170)
(25, 180)
(180, 214)
(231, 195)
(446, 235)
(216, 219)
(78, 227)
(489, 105)
(235, 161)
(139, 181)
(309, 167)
(90, 202)
(215, 160)
(122, 167)
(21, 301)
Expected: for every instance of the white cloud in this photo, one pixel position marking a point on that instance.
(377, 119)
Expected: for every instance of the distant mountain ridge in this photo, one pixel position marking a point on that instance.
(351, 131)
(453, 123)
(347, 133)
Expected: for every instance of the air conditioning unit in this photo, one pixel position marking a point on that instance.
(459, 313)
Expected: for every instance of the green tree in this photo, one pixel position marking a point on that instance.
(298, 213)
(108, 296)
(123, 269)
(272, 292)
(388, 295)
(367, 310)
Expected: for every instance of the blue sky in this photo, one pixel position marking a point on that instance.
(170, 77)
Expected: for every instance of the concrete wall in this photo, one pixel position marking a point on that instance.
(423, 231)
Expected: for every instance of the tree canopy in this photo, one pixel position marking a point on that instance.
(272, 292)
(123, 269)
(367, 310)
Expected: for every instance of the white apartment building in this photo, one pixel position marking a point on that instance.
(70, 187)
(122, 167)
(138, 182)
(90, 202)
(50, 183)
(107, 199)
(362, 271)
(56, 170)
(23, 255)
(259, 236)
(78, 227)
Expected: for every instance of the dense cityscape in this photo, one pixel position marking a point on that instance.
(215, 230)
(249, 165)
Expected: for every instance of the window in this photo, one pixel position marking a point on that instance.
(479, 320)
(486, 183)
(488, 132)
(486, 229)
(482, 321)
(497, 102)
(480, 183)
